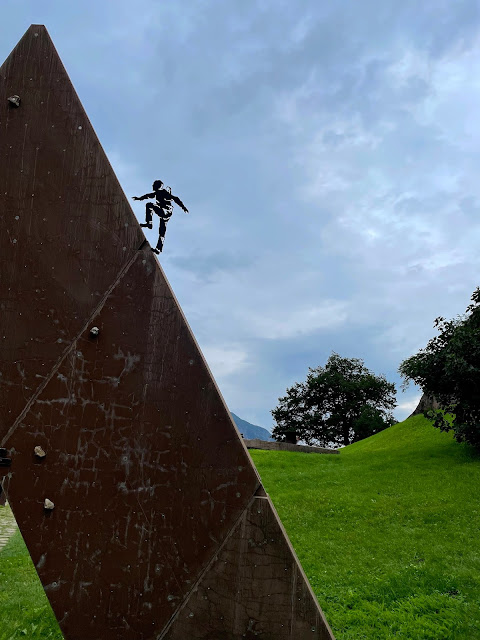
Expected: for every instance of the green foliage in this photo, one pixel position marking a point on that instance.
(449, 369)
(387, 532)
(337, 404)
(370, 421)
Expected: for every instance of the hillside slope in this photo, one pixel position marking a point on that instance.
(251, 431)
(387, 532)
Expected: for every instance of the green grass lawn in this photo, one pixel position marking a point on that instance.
(387, 532)
(24, 608)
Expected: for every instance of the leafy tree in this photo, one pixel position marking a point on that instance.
(371, 420)
(449, 370)
(337, 404)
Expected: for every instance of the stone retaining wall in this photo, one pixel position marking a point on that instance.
(285, 446)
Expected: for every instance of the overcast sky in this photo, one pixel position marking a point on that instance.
(328, 152)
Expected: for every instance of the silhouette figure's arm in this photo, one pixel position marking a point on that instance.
(144, 197)
(180, 203)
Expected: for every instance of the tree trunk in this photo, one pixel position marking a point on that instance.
(291, 437)
(426, 402)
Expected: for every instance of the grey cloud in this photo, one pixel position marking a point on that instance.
(204, 267)
(321, 156)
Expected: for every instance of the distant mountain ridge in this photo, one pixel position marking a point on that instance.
(251, 431)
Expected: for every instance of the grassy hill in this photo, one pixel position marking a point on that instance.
(387, 531)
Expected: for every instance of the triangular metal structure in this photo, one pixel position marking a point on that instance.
(132, 488)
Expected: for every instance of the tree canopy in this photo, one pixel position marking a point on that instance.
(337, 404)
(448, 368)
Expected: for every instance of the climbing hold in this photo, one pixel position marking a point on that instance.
(94, 331)
(48, 504)
(39, 452)
(14, 101)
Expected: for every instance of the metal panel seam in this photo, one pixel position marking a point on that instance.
(207, 567)
(57, 365)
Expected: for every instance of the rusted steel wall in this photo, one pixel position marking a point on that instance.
(124, 433)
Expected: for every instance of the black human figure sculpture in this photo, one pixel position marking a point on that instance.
(163, 208)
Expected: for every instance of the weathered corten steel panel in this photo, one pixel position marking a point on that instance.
(253, 588)
(142, 463)
(124, 432)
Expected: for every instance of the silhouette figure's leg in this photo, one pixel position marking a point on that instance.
(161, 235)
(148, 215)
